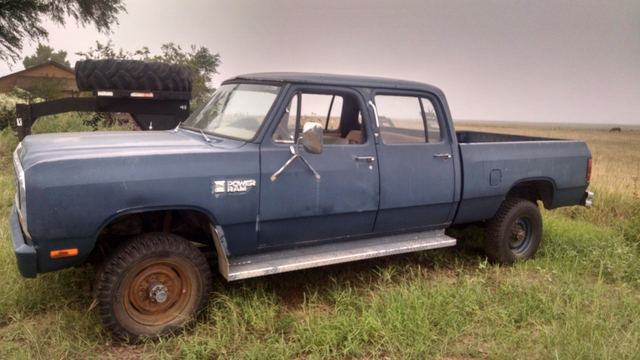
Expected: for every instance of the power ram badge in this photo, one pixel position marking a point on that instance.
(231, 186)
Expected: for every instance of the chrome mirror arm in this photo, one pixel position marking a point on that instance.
(315, 173)
(275, 175)
(295, 154)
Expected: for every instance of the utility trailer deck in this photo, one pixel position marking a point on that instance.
(151, 110)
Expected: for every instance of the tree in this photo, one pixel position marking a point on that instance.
(43, 54)
(45, 88)
(202, 63)
(108, 52)
(21, 19)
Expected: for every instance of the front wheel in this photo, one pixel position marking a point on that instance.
(515, 231)
(152, 285)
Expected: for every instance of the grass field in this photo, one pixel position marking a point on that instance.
(576, 299)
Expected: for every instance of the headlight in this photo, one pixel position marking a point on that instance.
(21, 188)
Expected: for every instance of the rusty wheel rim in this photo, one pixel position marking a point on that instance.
(521, 235)
(158, 293)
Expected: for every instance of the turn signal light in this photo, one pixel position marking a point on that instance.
(63, 253)
(589, 165)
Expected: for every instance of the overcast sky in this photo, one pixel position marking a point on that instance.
(535, 61)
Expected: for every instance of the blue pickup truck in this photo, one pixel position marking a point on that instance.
(277, 172)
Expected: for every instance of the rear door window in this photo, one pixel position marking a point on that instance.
(407, 119)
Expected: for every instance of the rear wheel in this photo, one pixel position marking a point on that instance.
(152, 285)
(515, 231)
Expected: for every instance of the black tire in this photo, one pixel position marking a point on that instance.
(112, 74)
(151, 285)
(515, 231)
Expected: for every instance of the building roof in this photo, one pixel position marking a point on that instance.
(343, 80)
(31, 76)
(48, 63)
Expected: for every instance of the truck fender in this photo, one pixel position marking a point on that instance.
(534, 189)
(140, 210)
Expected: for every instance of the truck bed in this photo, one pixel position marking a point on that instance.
(493, 164)
(467, 137)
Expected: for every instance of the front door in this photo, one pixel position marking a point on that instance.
(297, 207)
(416, 165)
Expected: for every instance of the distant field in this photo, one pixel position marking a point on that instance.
(578, 298)
(513, 124)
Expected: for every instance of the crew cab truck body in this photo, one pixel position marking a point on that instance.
(277, 172)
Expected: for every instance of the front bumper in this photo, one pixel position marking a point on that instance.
(25, 253)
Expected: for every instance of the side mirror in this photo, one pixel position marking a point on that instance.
(312, 138)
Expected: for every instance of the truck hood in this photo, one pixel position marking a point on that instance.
(52, 147)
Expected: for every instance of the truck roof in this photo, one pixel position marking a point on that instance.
(343, 80)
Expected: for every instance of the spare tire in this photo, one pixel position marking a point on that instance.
(132, 75)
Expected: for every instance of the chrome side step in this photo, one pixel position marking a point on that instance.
(249, 266)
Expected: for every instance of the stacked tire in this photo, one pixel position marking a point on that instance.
(115, 74)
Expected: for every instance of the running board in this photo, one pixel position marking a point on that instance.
(249, 266)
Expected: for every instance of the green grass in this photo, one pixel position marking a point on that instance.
(69, 122)
(576, 299)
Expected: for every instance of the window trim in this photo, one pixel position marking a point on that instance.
(426, 121)
(326, 123)
(437, 107)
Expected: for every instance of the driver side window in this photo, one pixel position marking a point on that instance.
(339, 116)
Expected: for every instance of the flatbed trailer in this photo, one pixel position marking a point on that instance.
(151, 110)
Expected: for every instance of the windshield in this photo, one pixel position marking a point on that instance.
(235, 110)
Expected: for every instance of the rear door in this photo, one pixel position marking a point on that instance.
(416, 166)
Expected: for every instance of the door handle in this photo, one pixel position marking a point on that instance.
(444, 156)
(365, 158)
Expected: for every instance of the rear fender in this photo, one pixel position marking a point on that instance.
(534, 190)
